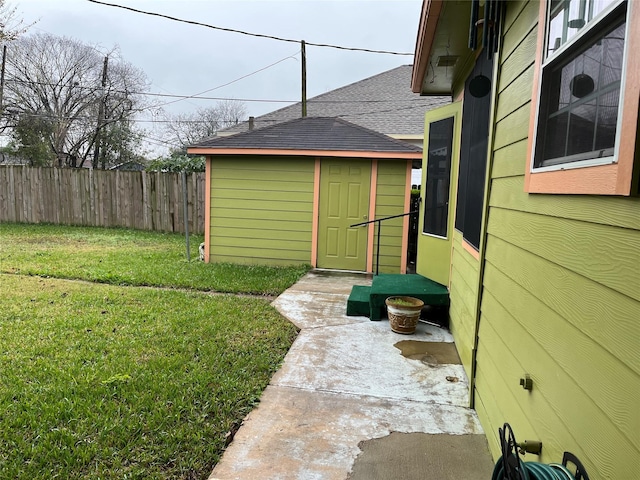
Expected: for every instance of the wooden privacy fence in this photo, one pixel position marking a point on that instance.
(101, 198)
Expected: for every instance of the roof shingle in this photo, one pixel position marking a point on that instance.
(311, 133)
(383, 103)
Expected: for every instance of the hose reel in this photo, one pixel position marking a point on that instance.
(511, 467)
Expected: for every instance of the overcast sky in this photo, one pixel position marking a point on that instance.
(187, 59)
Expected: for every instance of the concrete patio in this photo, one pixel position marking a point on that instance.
(353, 400)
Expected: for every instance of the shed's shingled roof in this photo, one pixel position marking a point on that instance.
(383, 103)
(311, 133)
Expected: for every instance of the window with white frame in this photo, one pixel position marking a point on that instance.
(582, 80)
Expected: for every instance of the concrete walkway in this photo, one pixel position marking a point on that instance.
(355, 400)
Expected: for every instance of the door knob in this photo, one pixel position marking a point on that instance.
(365, 217)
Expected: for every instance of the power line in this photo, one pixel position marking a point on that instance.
(391, 110)
(184, 97)
(259, 35)
(233, 81)
(198, 97)
(160, 142)
(149, 94)
(48, 116)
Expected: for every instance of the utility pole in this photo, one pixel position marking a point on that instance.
(304, 78)
(4, 62)
(98, 139)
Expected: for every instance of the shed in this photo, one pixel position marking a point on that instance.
(289, 193)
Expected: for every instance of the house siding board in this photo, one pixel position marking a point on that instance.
(521, 20)
(292, 240)
(560, 298)
(261, 210)
(261, 204)
(465, 324)
(612, 252)
(514, 96)
(462, 334)
(613, 389)
(509, 129)
(513, 12)
(522, 57)
(391, 230)
(245, 258)
(463, 291)
(535, 348)
(507, 162)
(249, 216)
(612, 211)
(598, 313)
(465, 276)
(493, 408)
(485, 417)
(261, 224)
(391, 189)
(239, 193)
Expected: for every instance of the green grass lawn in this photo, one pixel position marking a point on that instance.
(129, 257)
(112, 382)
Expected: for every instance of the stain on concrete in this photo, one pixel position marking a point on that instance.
(430, 353)
(416, 456)
(342, 382)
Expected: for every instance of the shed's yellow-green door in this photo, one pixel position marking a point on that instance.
(438, 198)
(344, 201)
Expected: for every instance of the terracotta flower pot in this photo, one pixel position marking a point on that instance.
(404, 313)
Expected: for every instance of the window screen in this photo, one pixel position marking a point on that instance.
(436, 208)
(473, 157)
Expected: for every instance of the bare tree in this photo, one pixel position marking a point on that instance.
(10, 25)
(188, 128)
(54, 88)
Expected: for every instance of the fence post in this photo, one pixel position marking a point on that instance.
(185, 198)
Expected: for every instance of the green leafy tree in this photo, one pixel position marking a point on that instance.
(30, 140)
(120, 144)
(177, 162)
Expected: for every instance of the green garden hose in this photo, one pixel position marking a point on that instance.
(534, 471)
(510, 467)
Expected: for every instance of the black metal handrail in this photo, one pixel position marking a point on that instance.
(379, 222)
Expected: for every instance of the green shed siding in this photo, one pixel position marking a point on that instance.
(261, 210)
(390, 196)
(560, 298)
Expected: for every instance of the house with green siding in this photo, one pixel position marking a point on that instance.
(530, 215)
(293, 193)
